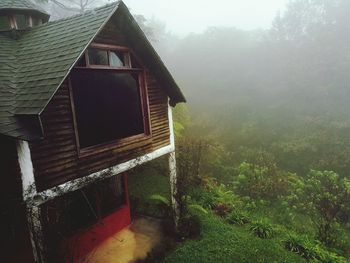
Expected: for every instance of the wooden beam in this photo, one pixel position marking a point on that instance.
(44, 196)
(172, 169)
(29, 191)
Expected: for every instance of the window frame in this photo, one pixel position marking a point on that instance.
(144, 101)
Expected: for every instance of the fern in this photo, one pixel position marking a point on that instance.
(160, 199)
(198, 208)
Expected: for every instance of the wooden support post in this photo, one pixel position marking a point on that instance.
(36, 233)
(29, 190)
(173, 187)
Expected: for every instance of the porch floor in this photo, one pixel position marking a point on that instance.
(130, 244)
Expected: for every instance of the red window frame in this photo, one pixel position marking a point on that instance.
(142, 91)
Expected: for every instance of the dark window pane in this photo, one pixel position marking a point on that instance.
(98, 56)
(107, 106)
(36, 21)
(22, 21)
(117, 59)
(4, 23)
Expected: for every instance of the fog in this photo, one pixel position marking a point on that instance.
(268, 96)
(183, 17)
(278, 69)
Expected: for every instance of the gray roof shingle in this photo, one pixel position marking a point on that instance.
(33, 66)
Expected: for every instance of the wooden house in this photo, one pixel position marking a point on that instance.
(82, 101)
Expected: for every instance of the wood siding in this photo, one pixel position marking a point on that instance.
(55, 159)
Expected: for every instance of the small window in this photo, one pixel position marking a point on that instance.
(36, 21)
(22, 21)
(4, 23)
(117, 59)
(98, 56)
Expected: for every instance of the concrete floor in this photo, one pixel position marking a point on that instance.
(128, 245)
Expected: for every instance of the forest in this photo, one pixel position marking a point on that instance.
(264, 140)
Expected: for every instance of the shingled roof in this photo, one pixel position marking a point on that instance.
(33, 67)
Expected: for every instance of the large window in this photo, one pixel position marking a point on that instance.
(109, 98)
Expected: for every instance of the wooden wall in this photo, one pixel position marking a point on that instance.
(55, 159)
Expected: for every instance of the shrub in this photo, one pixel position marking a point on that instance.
(310, 249)
(261, 229)
(323, 195)
(221, 209)
(265, 182)
(299, 245)
(163, 205)
(189, 227)
(237, 218)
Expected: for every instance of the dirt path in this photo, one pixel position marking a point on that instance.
(128, 245)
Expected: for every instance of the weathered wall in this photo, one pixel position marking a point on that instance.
(56, 160)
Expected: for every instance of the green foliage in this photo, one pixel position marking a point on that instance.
(160, 199)
(262, 182)
(300, 245)
(213, 194)
(143, 183)
(310, 249)
(261, 229)
(163, 205)
(197, 207)
(224, 243)
(237, 218)
(221, 209)
(323, 195)
(178, 129)
(182, 120)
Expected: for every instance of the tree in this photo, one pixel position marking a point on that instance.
(62, 8)
(323, 195)
(262, 182)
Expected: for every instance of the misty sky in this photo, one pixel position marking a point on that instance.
(185, 16)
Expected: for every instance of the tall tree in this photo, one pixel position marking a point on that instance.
(71, 6)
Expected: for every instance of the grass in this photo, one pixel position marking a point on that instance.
(221, 242)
